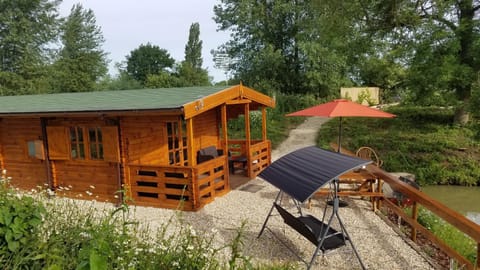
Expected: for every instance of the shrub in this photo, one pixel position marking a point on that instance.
(20, 223)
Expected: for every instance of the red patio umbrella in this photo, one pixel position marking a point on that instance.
(342, 108)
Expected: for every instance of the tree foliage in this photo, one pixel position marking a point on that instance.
(187, 73)
(302, 46)
(82, 60)
(27, 29)
(441, 41)
(269, 41)
(148, 60)
(193, 49)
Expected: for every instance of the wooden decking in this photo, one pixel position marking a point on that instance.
(238, 180)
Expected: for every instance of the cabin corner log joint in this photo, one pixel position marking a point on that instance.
(144, 142)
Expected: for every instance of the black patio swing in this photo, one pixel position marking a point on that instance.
(300, 174)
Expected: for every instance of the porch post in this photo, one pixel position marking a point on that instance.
(191, 155)
(225, 144)
(264, 123)
(247, 137)
(224, 128)
(192, 162)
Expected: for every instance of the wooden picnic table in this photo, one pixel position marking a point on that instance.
(358, 183)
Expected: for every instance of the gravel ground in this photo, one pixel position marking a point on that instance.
(378, 245)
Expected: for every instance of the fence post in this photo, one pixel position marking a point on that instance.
(414, 217)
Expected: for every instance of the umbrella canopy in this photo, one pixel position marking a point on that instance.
(342, 108)
(302, 172)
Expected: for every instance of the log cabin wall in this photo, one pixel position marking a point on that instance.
(84, 177)
(27, 172)
(206, 130)
(145, 141)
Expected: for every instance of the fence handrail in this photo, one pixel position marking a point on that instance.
(456, 219)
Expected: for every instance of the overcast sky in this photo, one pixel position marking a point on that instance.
(126, 24)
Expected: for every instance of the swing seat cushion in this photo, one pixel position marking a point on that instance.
(313, 229)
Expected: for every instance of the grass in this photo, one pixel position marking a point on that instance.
(454, 238)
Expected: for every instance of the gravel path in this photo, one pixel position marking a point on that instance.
(378, 245)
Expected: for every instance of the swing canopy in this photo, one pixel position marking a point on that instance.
(302, 172)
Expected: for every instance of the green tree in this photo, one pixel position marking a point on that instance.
(82, 60)
(442, 44)
(190, 71)
(147, 60)
(27, 30)
(281, 45)
(193, 49)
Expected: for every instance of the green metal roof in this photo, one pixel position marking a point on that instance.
(118, 100)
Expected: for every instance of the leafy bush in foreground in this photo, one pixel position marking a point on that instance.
(41, 233)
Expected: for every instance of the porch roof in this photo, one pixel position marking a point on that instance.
(163, 99)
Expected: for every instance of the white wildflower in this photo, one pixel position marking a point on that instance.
(85, 235)
(50, 192)
(92, 187)
(89, 193)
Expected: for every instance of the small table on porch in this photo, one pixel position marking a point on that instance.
(239, 162)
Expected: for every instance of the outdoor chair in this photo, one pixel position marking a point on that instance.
(208, 153)
(366, 152)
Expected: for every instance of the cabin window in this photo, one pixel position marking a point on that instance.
(177, 143)
(95, 141)
(82, 143)
(35, 149)
(94, 144)
(77, 143)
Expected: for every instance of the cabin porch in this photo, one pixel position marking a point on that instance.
(192, 187)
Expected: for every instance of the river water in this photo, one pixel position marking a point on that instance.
(465, 200)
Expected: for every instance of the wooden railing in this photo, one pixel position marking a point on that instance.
(175, 187)
(450, 216)
(210, 180)
(258, 158)
(419, 198)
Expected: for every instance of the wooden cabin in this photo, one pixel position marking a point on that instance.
(144, 142)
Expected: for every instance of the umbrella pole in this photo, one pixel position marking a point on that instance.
(340, 135)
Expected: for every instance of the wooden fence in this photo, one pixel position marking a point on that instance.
(176, 187)
(450, 216)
